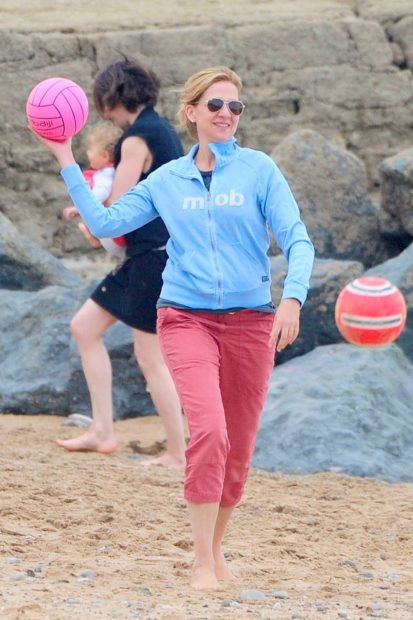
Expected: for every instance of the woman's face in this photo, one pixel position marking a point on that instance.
(119, 115)
(217, 126)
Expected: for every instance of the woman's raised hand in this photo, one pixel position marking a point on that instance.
(61, 150)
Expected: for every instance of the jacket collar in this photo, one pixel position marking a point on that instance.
(223, 151)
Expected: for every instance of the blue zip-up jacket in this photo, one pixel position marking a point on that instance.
(217, 251)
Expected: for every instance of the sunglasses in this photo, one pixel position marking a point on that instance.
(215, 104)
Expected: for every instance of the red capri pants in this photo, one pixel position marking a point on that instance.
(221, 364)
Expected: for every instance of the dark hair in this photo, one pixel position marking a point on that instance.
(125, 82)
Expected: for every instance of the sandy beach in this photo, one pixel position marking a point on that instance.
(92, 536)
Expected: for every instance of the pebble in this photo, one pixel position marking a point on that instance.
(321, 607)
(280, 594)
(253, 595)
(83, 580)
(343, 613)
(367, 575)
(11, 560)
(145, 591)
(351, 564)
(73, 601)
(86, 574)
(78, 419)
(375, 607)
(233, 604)
(17, 576)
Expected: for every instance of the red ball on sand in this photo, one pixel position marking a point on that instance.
(57, 108)
(370, 312)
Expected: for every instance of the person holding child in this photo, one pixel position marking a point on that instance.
(125, 94)
(217, 324)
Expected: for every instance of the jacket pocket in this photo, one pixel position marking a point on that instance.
(241, 271)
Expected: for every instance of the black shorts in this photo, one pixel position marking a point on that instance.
(130, 291)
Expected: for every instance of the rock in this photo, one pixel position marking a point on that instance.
(396, 184)
(399, 271)
(330, 186)
(78, 420)
(332, 71)
(340, 407)
(253, 595)
(36, 335)
(24, 265)
(317, 316)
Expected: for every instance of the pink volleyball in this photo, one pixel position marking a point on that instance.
(57, 108)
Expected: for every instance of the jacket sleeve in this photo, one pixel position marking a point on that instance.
(131, 211)
(283, 216)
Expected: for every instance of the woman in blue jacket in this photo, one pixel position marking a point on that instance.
(217, 325)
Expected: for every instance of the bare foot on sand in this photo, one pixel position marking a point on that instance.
(88, 442)
(223, 571)
(204, 578)
(165, 460)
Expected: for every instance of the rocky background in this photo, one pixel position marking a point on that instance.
(329, 94)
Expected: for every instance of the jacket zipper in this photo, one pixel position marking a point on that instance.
(214, 247)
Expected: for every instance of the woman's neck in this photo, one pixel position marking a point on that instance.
(134, 115)
(205, 159)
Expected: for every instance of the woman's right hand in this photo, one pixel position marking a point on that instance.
(61, 150)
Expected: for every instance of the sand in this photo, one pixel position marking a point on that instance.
(91, 536)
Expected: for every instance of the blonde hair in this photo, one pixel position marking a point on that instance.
(105, 136)
(195, 87)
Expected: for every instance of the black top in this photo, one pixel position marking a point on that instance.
(206, 177)
(164, 145)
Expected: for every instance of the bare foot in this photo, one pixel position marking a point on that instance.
(166, 460)
(204, 578)
(223, 571)
(88, 442)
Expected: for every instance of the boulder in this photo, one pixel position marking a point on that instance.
(330, 185)
(396, 184)
(40, 366)
(340, 408)
(399, 271)
(317, 316)
(25, 266)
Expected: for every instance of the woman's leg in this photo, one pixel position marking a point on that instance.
(190, 343)
(222, 570)
(203, 518)
(247, 361)
(88, 326)
(246, 364)
(164, 396)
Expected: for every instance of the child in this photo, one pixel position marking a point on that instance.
(101, 142)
